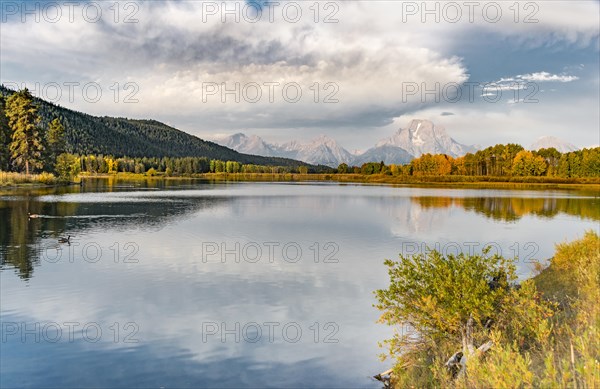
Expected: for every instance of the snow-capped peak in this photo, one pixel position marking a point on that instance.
(422, 136)
(419, 137)
(546, 142)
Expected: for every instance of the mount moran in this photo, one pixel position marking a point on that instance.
(547, 142)
(420, 137)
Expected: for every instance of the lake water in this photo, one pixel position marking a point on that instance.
(197, 284)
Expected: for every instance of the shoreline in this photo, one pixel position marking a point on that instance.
(479, 182)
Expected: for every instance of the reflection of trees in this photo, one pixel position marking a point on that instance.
(20, 237)
(13, 246)
(149, 214)
(112, 183)
(434, 202)
(497, 208)
(513, 208)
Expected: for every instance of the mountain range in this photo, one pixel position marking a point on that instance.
(322, 150)
(418, 138)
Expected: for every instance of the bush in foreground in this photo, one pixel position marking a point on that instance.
(473, 326)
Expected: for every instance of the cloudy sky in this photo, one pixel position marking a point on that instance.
(489, 72)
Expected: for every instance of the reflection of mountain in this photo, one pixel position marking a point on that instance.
(21, 238)
(513, 208)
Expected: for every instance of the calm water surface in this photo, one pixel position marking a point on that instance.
(192, 284)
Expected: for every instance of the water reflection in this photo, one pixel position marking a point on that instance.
(20, 235)
(174, 288)
(58, 214)
(514, 208)
(108, 204)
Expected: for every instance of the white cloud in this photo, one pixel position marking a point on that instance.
(545, 77)
(371, 53)
(523, 82)
(175, 61)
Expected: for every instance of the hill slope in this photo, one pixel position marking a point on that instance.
(87, 134)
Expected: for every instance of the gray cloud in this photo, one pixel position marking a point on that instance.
(370, 54)
(180, 49)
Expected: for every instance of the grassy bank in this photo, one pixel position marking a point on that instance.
(8, 179)
(431, 181)
(437, 181)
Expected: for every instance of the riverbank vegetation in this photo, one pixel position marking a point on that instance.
(556, 170)
(545, 165)
(18, 179)
(465, 321)
(30, 145)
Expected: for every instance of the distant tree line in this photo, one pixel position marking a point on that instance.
(99, 164)
(510, 160)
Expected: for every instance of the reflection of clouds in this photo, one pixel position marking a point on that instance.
(167, 302)
(171, 291)
(147, 366)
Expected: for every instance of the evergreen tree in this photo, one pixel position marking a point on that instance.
(55, 141)
(26, 146)
(4, 135)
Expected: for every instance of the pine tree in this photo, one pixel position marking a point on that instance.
(26, 146)
(55, 141)
(4, 135)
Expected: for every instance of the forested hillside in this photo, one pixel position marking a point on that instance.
(86, 134)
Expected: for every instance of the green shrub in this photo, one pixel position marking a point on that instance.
(544, 333)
